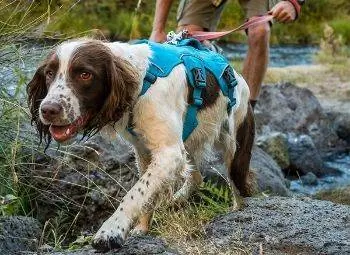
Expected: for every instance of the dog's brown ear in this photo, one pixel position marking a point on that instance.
(37, 90)
(122, 82)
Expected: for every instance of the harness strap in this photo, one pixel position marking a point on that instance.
(197, 79)
(147, 82)
(231, 81)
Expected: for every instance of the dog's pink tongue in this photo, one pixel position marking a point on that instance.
(62, 133)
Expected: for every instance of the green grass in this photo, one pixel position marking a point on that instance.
(339, 196)
(18, 19)
(15, 151)
(184, 227)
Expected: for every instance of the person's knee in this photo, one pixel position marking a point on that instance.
(259, 35)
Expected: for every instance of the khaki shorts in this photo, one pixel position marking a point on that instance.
(207, 13)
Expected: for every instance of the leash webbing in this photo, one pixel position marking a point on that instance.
(202, 35)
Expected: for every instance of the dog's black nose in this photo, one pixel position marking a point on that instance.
(50, 111)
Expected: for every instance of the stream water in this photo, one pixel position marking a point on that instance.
(20, 62)
(280, 56)
(339, 161)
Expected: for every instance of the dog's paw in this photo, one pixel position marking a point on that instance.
(104, 241)
(139, 230)
(238, 203)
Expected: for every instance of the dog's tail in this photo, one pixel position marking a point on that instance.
(240, 172)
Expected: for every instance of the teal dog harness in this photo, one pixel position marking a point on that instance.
(197, 60)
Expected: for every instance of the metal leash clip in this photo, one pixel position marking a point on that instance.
(174, 38)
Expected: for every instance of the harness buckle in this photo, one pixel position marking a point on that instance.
(230, 77)
(150, 77)
(197, 101)
(198, 75)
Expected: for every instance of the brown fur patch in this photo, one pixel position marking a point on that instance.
(240, 172)
(209, 94)
(37, 89)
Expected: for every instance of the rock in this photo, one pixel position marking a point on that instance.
(304, 157)
(112, 152)
(276, 145)
(342, 126)
(18, 233)
(46, 248)
(89, 178)
(134, 245)
(309, 179)
(280, 225)
(146, 245)
(269, 175)
(213, 168)
(287, 108)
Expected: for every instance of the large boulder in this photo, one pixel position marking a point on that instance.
(276, 145)
(342, 126)
(287, 108)
(134, 245)
(89, 178)
(269, 175)
(280, 225)
(305, 157)
(18, 234)
(272, 225)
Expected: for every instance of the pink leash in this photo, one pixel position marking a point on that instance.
(201, 35)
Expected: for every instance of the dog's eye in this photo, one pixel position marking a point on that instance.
(85, 76)
(49, 74)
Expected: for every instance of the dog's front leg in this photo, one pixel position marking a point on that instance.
(166, 166)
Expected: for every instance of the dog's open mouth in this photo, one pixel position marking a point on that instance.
(66, 132)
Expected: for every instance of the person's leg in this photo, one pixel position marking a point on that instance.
(256, 61)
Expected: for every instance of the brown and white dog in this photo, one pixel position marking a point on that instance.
(88, 85)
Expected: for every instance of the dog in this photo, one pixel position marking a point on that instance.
(88, 85)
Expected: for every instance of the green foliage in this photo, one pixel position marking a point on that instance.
(342, 27)
(8, 205)
(103, 19)
(80, 242)
(187, 222)
(217, 198)
(15, 148)
(334, 53)
(309, 27)
(121, 20)
(20, 18)
(55, 230)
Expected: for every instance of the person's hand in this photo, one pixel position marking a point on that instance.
(158, 36)
(283, 12)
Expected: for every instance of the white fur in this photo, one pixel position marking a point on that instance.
(59, 92)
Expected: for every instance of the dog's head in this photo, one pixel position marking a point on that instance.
(81, 86)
